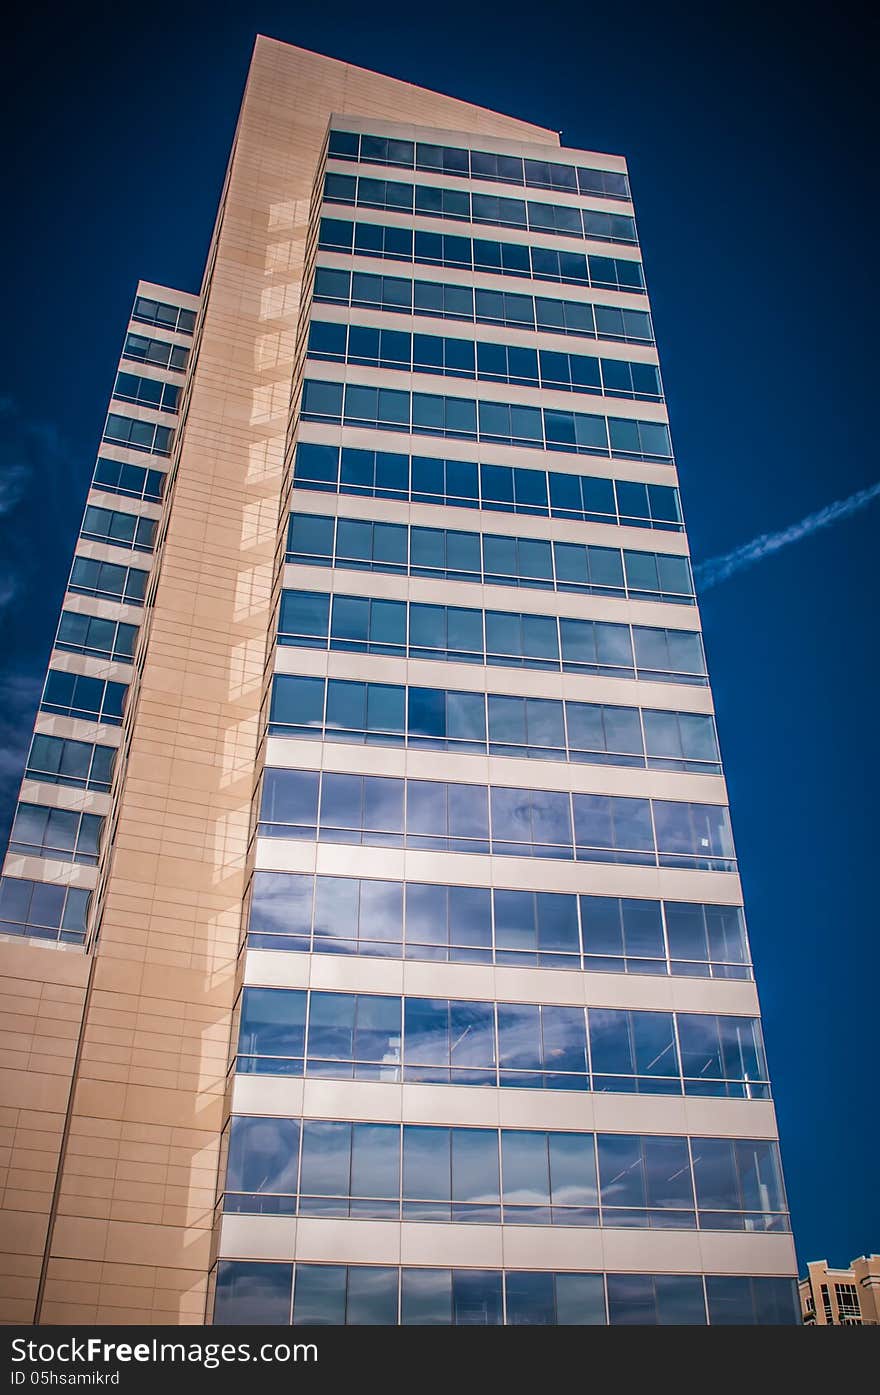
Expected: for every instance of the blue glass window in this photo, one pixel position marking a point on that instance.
(89, 577)
(656, 1299)
(117, 477)
(645, 1182)
(430, 200)
(41, 831)
(737, 1300)
(479, 164)
(43, 910)
(251, 1291)
(78, 695)
(446, 1041)
(77, 764)
(481, 254)
(622, 935)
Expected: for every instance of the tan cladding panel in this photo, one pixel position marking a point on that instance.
(131, 1239)
(43, 991)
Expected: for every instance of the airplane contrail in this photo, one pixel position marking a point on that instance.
(718, 569)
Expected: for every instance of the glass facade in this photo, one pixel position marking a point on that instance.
(417, 790)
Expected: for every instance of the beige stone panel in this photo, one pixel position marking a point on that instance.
(43, 994)
(243, 1237)
(349, 1242)
(70, 1291)
(464, 1245)
(726, 1253)
(382, 1101)
(60, 797)
(64, 1314)
(47, 869)
(24, 1233)
(428, 978)
(651, 1251)
(21, 1265)
(551, 1247)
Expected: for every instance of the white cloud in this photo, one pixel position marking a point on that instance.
(718, 569)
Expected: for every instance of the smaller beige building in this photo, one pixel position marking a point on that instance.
(842, 1297)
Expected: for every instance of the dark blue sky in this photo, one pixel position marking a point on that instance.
(751, 150)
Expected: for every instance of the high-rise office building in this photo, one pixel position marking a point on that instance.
(371, 912)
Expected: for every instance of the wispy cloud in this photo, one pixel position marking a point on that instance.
(38, 483)
(19, 695)
(12, 485)
(717, 569)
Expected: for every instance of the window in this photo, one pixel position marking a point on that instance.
(442, 159)
(645, 1183)
(89, 577)
(89, 634)
(367, 1036)
(146, 392)
(692, 835)
(735, 1300)
(508, 424)
(426, 353)
(77, 695)
(498, 488)
(608, 227)
(699, 935)
(369, 811)
(160, 352)
(478, 164)
(656, 1300)
(252, 1292)
(346, 915)
(429, 200)
(494, 723)
(722, 1056)
(634, 1052)
(848, 1308)
(356, 1295)
(138, 435)
(497, 559)
(78, 764)
(117, 477)
(120, 529)
(669, 656)
(157, 312)
(739, 1184)
(39, 831)
(480, 254)
(43, 910)
(469, 1175)
(622, 934)
(381, 150)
